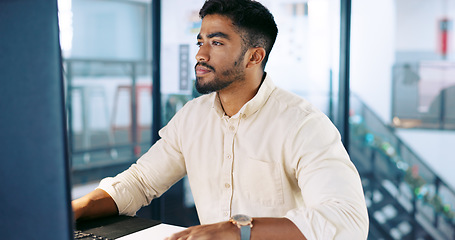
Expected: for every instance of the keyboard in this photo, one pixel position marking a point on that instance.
(88, 236)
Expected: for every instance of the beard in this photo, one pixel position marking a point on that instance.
(221, 81)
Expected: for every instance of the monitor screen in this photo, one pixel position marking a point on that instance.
(34, 168)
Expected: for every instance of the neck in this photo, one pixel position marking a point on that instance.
(235, 96)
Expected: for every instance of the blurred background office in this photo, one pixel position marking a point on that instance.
(122, 56)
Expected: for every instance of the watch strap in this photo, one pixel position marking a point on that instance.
(245, 232)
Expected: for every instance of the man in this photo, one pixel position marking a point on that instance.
(247, 147)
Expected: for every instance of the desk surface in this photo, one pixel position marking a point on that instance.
(115, 226)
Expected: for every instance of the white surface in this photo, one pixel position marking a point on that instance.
(435, 147)
(158, 232)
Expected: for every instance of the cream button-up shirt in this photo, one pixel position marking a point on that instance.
(277, 157)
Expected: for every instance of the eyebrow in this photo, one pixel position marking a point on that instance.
(215, 34)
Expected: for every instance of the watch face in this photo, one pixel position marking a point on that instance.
(242, 219)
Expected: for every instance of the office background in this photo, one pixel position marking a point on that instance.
(401, 108)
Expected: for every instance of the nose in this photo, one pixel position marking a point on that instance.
(202, 54)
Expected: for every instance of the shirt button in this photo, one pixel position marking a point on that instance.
(226, 214)
(232, 128)
(227, 185)
(228, 156)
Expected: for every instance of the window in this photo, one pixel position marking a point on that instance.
(108, 77)
(401, 131)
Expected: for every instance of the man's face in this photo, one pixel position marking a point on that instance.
(220, 57)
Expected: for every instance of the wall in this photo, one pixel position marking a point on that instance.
(417, 25)
(372, 53)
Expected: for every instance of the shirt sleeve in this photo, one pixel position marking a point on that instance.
(153, 173)
(333, 200)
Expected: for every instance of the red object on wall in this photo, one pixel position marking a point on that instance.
(444, 29)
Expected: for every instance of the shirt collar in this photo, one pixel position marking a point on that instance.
(252, 106)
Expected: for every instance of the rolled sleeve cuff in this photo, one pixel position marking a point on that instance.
(121, 196)
(312, 224)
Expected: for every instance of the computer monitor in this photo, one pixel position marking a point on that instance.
(34, 170)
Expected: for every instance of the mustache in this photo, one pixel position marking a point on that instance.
(203, 64)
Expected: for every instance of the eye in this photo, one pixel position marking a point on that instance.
(199, 44)
(216, 43)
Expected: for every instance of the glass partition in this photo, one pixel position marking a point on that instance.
(305, 58)
(401, 66)
(107, 69)
(109, 114)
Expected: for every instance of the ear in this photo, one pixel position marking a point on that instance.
(256, 56)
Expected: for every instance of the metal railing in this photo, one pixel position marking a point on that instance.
(387, 162)
(92, 89)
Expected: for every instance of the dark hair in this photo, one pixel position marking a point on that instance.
(255, 23)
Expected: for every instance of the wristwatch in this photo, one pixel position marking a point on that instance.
(245, 223)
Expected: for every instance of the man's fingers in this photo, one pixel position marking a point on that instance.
(207, 232)
(179, 236)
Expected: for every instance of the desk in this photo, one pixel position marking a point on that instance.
(115, 226)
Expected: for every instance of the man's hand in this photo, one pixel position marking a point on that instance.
(264, 228)
(219, 231)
